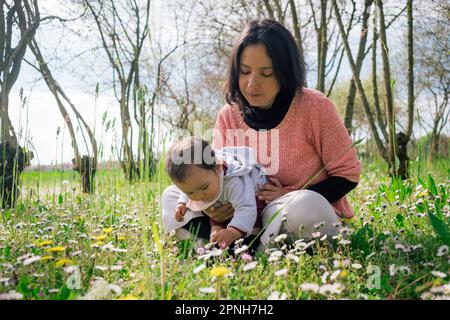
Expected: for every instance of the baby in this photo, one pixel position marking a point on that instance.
(208, 177)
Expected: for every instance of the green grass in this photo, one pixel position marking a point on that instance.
(115, 236)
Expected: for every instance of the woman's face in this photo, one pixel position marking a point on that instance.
(257, 81)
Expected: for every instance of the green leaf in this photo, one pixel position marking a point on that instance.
(60, 199)
(441, 228)
(6, 252)
(399, 220)
(432, 185)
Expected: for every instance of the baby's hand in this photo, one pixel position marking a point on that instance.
(180, 211)
(225, 237)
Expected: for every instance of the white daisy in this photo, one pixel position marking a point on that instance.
(439, 274)
(31, 260)
(442, 251)
(199, 268)
(250, 266)
(275, 295)
(280, 237)
(207, 290)
(310, 287)
(281, 272)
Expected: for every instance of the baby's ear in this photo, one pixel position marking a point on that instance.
(218, 167)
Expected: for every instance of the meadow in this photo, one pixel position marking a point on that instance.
(59, 243)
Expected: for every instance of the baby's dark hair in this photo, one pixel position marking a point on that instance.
(186, 152)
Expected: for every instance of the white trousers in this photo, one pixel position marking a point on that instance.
(300, 215)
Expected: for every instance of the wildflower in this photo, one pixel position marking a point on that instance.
(129, 297)
(318, 225)
(56, 249)
(219, 271)
(73, 254)
(241, 249)
(392, 270)
(439, 274)
(327, 289)
(199, 268)
(44, 243)
(11, 295)
(324, 237)
(121, 238)
(293, 257)
(107, 230)
(315, 234)
(344, 242)
(246, 257)
(31, 260)
(281, 272)
(62, 262)
(100, 238)
(335, 274)
(101, 268)
(442, 251)
(273, 259)
(280, 237)
(324, 277)
(215, 252)
(116, 268)
(356, 266)
(310, 287)
(275, 295)
(250, 266)
(207, 290)
(44, 258)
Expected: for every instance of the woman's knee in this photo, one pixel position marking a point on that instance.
(309, 213)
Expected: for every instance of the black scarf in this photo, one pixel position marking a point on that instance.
(257, 118)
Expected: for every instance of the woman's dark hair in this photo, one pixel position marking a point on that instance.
(288, 65)
(187, 152)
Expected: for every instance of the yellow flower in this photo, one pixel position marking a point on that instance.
(423, 193)
(343, 274)
(44, 243)
(56, 249)
(121, 238)
(62, 262)
(100, 238)
(219, 271)
(128, 298)
(98, 243)
(44, 258)
(107, 230)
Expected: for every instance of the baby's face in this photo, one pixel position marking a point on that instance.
(201, 184)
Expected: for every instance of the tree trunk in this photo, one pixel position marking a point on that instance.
(359, 60)
(388, 94)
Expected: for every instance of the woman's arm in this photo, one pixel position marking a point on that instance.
(333, 188)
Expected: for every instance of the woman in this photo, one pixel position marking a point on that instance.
(296, 132)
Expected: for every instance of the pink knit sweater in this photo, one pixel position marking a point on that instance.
(311, 136)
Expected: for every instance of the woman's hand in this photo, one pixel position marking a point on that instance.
(221, 214)
(270, 192)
